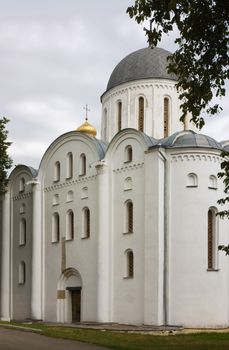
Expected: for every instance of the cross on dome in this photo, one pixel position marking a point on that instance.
(87, 110)
(86, 127)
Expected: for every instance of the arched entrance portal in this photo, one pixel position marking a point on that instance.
(69, 296)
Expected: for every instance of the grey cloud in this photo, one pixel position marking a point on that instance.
(56, 56)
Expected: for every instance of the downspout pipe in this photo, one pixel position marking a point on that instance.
(166, 251)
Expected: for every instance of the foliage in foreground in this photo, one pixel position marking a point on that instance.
(5, 160)
(201, 61)
(133, 341)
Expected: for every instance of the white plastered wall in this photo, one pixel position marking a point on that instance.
(153, 91)
(80, 254)
(197, 297)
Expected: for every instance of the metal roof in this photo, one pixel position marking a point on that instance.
(142, 64)
(189, 138)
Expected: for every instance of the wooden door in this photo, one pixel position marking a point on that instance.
(76, 305)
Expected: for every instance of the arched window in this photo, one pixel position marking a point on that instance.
(192, 180)
(22, 185)
(166, 116)
(105, 124)
(55, 228)
(129, 273)
(212, 239)
(57, 171)
(119, 112)
(212, 182)
(141, 112)
(128, 154)
(69, 165)
(86, 223)
(70, 225)
(22, 232)
(21, 273)
(22, 208)
(82, 164)
(128, 217)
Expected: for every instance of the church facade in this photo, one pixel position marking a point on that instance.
(122, 229)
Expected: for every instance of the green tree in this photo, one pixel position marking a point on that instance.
(5, 160)
(201, 61)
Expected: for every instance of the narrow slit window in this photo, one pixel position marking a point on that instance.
(82, 164)
(105, 124)
(141, 112)
(22, 232)
(22, 185)
(22, 273)
(69, 166)
(128, 154)
(70, 225)
(129, 257)
(86, 223)
(57, 171)
(212, 240)
(128, 217)
(55, 228)
(119, 116)
(166, 116)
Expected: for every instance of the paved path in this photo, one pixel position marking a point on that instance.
(18, 340)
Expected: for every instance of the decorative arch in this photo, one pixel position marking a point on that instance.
(70, 281)
(212, 182)
(192, 180)
(128, 184)
(56, 199)
(22, 208)
(70, 195)
(84, 192)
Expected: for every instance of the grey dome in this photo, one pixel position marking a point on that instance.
(225, 145)
(142, 64)
(185, 139)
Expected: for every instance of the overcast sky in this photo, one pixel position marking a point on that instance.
(56, 56)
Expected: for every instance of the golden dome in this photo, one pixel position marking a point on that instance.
(87, 129)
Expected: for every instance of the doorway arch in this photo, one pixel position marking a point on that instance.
(69, 296)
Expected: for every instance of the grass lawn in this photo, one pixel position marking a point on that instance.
(131, 341)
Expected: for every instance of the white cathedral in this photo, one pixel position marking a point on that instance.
(122, 229)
